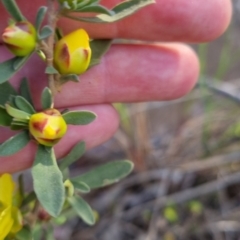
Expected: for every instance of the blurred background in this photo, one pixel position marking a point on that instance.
(186, 182)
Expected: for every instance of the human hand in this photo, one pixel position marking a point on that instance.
(128, 73)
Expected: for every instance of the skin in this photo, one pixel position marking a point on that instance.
(128, 73)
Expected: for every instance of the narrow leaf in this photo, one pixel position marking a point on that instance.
(99, 47)
(48, 181)
(46, 98)
(5, 119)
(83, 209)
(51, 70)
(17, 127)
(14, 144)
(24, 105)
(11, 101)
(10, 67)
(40, 16)
(45, 32)
(106, 174)
(76, 152)
(19, 62)
(96, 8)
(17, 113)
(81, 186)
(25, 90)
(79, 117)
(25, 121)
(83, 3)
(13, 9)
(121, 11)
(6, 89)
(19, 124)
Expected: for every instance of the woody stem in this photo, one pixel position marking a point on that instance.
(52, 22)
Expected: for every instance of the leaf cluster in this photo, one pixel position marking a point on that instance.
(55, 189)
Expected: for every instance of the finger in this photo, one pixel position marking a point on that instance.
(167, 20)
(93, 134)
(128, 73)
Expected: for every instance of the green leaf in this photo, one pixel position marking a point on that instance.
(37, 232)
(46, 98)
(76, 152)
(19, 124)
(99, 47)
(122, 10)
(25, 90)
(14, 144)
(84, 3)
(45, 32)
(11, 101)
(11, 66)
(106, 174)
(24, 105)
(40, 16)
(17, 113)
(6, 89)
(67, 78)
(19, 62)
(14, 10)
(83, 209)
(81, 186)
(79, 117)
(24, 234)
(48, 181)
(96, 8)
(17, 127)
(24, 121)
(5, 119)
(51, 70)
(50, 233)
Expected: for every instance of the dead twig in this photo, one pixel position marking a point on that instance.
(184, 196)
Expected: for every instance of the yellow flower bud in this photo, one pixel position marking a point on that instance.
(72, 53)
(20, 38)
(47, 127)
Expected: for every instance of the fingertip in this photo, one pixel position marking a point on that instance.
(216, 17)
(186, 71)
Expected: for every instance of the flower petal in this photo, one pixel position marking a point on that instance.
(6, 222)
(6, 189)
(17, 220)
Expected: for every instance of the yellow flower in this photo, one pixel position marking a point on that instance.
(47, 127)
(72, 53)
(20, 38)
(10, 216)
